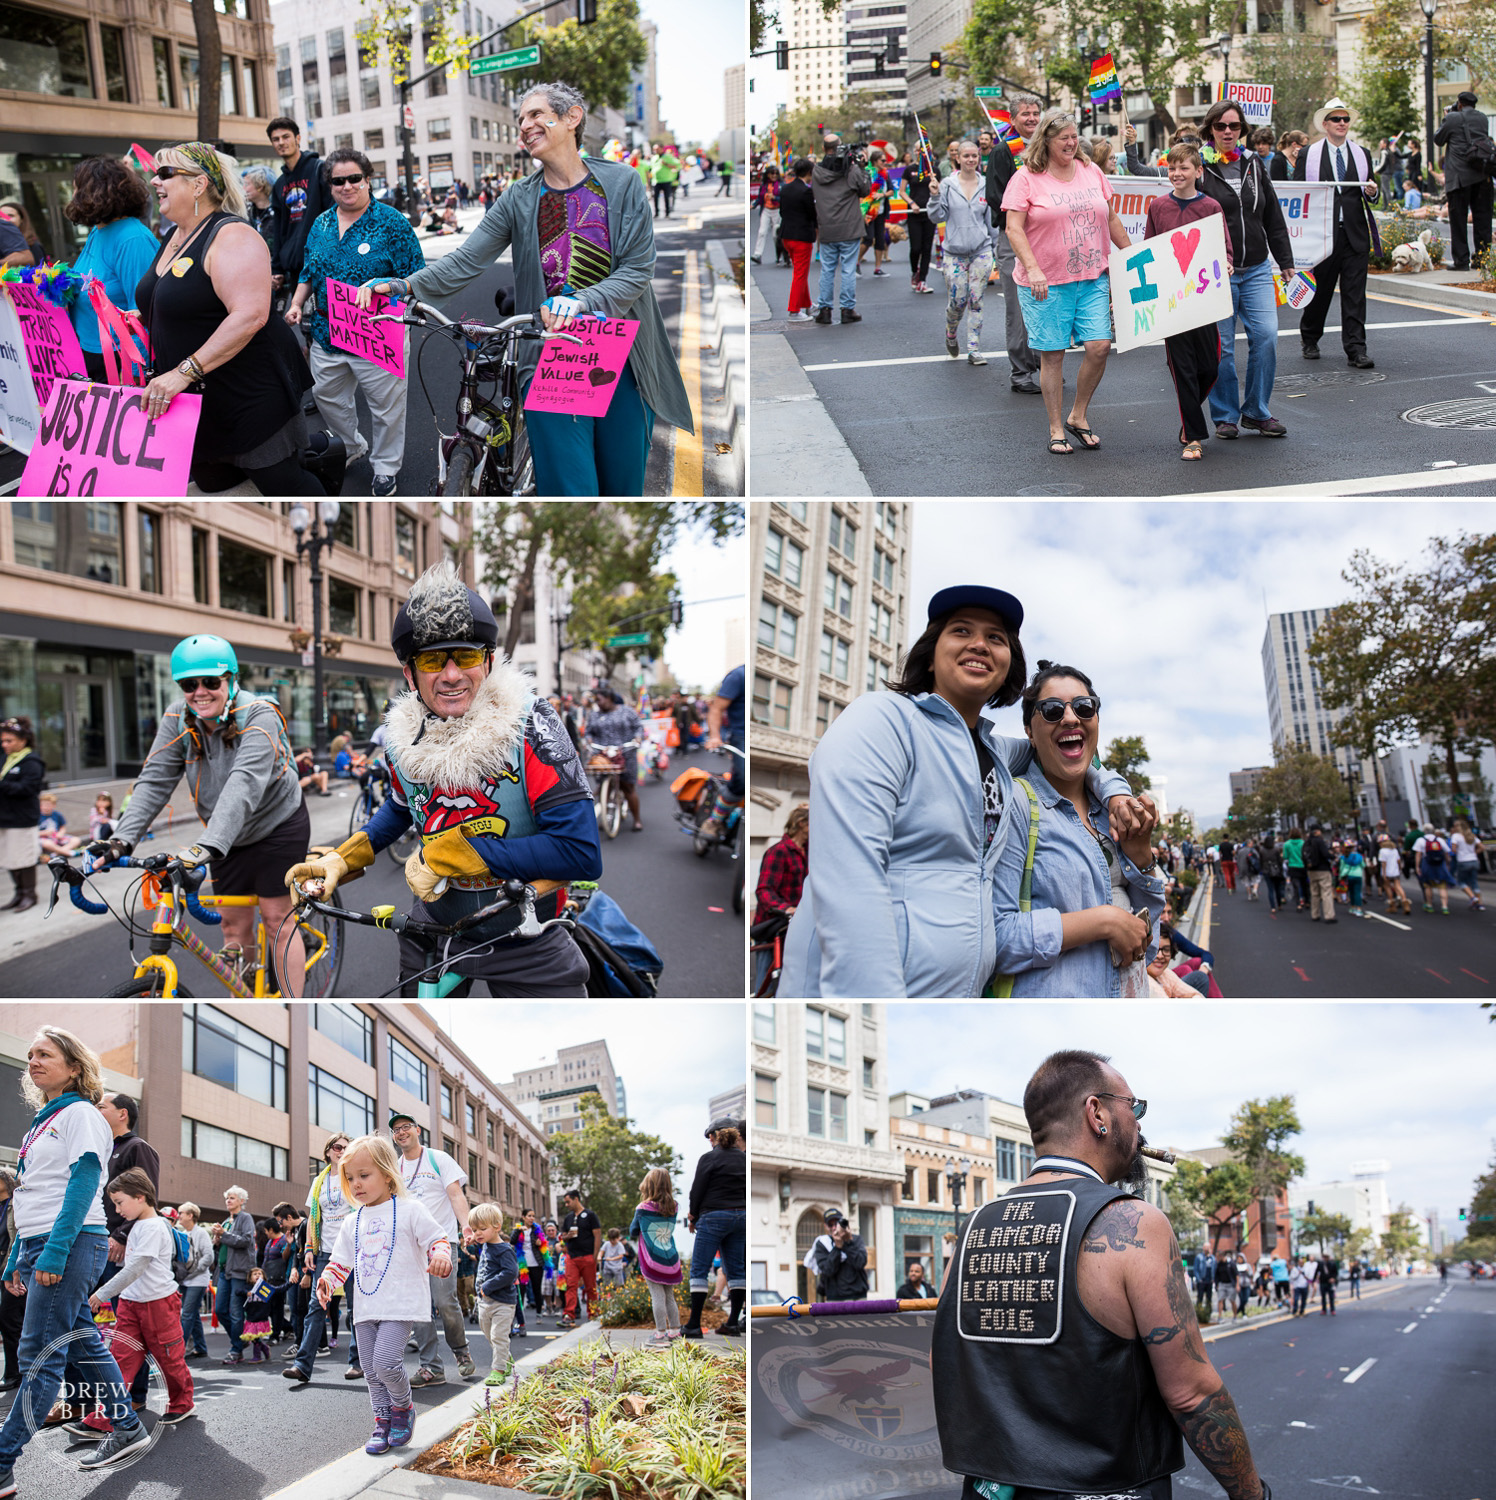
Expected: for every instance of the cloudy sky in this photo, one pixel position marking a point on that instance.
(697, 652)
(1165, 606)
(652, 1046)
(698, 41)
(1406, 1083)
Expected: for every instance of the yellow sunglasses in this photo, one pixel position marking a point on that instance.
(466, 657)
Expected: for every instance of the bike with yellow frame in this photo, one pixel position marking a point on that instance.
(170, 889)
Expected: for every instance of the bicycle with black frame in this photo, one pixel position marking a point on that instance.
(375, 783)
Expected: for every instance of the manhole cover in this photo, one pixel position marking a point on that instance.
(1475, 414)
(1328, 377)
(772, 325)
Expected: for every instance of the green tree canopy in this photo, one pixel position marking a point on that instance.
(1127, 755)
(1401, 1237)
(1383, 101)
(1301, 788)
(1258, 1135)
(606, 1160)
(1392, 31)
(1222, 1193)
(1329, 1231)
(1299, 64)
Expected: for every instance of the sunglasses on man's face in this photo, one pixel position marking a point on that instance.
(357, 177)
(1052, 710)
(192, 684)
(1338, 119)
(466, 657)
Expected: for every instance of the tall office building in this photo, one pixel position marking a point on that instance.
(816, 61)
(872, 31)
(1295, 704)
(933, 26)
(552, 1092)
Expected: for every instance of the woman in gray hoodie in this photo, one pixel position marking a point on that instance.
(961, 205)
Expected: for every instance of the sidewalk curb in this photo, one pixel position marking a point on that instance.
(1413, 290)
(789, 421)
(724, 325)
(1273, 1322)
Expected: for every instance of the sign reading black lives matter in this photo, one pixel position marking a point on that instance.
(1011, 1273)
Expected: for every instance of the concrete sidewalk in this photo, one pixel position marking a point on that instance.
(388, 1476)
(1370, 1290)
(1442, 288)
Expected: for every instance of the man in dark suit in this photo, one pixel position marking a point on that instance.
(1023, 363)
(1467, 177)
(1336, 159)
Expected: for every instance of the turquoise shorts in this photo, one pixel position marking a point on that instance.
(1077, 311)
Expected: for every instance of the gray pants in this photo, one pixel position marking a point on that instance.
(1023, 363)
(495, 1319)
(381, 1349)
(338, 377)
(662, 1302)
(444, 1299)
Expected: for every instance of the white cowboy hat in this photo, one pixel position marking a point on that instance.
(1331, 106)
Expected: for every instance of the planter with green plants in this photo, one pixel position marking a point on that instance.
(628, 1306)
(629, 1424)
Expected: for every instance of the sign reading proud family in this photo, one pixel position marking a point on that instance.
(579, 379)
(353, 328)
(1256, 100)
(1170, 284)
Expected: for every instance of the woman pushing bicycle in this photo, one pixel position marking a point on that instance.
(582, 233)
(236, 752)
(485, 772)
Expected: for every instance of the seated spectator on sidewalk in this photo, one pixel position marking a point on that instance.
(51, 829)
(342, 757)
(310, 774)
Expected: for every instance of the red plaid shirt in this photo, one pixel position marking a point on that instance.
(781, 878)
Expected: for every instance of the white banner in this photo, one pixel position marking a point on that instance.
(1256, 100)
(20, 416)
(1308, 210)
(1170, 284)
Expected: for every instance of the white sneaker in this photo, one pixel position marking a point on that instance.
(800, 317)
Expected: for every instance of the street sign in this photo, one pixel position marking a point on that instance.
(988, 93)
(628, 640)
(502, 62)
(410, 117)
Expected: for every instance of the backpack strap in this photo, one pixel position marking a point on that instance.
(1001, 987)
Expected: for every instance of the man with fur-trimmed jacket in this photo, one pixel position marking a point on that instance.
(485, 771)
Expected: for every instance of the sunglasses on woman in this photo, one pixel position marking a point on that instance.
(466, 657)
(356, 178)
(192, 684)
(1052, 710)
(165, 174)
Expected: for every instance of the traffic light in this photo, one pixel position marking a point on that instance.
(586, 12)
(782, 56)
(892, 54)
(878, 64)
(1462, 1216)
(678, 613)
(935, 65)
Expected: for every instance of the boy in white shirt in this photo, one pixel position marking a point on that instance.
(148, 1319)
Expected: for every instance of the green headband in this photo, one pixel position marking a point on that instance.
(204, 156)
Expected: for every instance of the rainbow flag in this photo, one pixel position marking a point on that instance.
(1002, 123)
(926, 150)
(1104, 84)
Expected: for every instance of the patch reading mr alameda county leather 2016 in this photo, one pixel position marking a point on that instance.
(1011, 1276)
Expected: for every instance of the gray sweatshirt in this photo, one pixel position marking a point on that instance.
(239, 1238)
(242, 792)
(968, 223)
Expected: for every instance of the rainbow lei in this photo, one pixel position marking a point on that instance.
(55, 282)
(1229, 155)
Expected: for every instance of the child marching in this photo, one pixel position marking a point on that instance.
(257, 1316)
(389, 1245)
(498, 1285)
(653, 1230)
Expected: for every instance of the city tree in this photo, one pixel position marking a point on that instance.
(1328, 1231)
(1222, 1193)
(1300, 66)
(1383, 101)
(1393, 31)
(1258, 1137)
(209, 68)
(1358, 1244)
(606, 1160)
(763, 17)
(1401, 1238)
(1299, 788)
(1127, 755)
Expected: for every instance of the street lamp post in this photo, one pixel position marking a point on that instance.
(1428, 6)
(1225, 45)
(955, 1176)
(1090, 48)
(310, 539)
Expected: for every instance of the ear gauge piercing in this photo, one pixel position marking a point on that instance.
(1103, 1130)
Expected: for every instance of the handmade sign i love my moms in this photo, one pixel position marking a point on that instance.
(579, 379)
(1170, 283)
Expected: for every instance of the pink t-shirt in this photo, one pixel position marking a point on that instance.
(1066, 224)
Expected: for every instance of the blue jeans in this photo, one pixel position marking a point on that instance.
(603, 455)
(192, 1318)
(232, 1291)
(723, 1229)
(1255, 302)
(845, 252)
(316, 1320)
(54, 1314)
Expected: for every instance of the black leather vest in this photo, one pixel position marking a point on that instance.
(1030, 1390)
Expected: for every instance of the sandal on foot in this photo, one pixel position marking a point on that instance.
(1060, 445)
(1192, 451)
(1088, 439)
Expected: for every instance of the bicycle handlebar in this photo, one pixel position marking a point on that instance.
(521, 324)
(180, 876)
(514, 893)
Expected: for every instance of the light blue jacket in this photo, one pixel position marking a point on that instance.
(1070, 874)
(899, 899)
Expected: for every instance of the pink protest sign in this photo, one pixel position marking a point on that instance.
(579, 380)
(354, 329)
(52, 348)
(97, 440)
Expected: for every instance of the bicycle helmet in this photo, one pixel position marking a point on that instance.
(441, 611)
(207, 656)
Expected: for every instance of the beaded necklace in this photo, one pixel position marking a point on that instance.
(358, 1283)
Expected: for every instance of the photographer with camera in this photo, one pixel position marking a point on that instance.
(839, 183)
(1468, 164)
(840, 1262)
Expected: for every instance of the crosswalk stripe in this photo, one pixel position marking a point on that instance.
(1358, 1372)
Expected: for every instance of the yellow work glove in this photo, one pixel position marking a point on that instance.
(421, 878)
(443, 858)
(332, 866)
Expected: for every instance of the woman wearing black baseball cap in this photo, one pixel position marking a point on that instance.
(911, 803)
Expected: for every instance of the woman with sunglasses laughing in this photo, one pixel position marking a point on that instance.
(356, 239)
(912, 805)
(1073, 933)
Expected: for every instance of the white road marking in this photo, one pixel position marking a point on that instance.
(1404, 926)
(1359, 1371)
(11, 488)
(1419, 479)
(1298, 1424)
(1410, 1328)
(1347, 1482)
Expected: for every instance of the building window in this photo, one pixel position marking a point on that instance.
(826, 1114)
(908, 1184)
(250, 103)
(877, 674)
(843, 535)
(870, 1139)
(83, 540)
(44, 53)
(838, 594)
(919, 1249)
(765, 1101)
(978, 1191)
(1025, 1159)
(493, 1181)
(799, 509)
(150, 552)
(219, 1048)
(880, 624)
(778, 628)
(368, 92)
(887, 514)
(470, 1115)
(373, 139)
(488, 1132)
(440, 129)
(112, 44)
(883, 569)
(763, 1023)
(222, 1148)
(409, 1071)
(1006, 1160)
(932, 1185)
(187, 72)
(405, 542)
(348, 1026)
(508, 1143)
(828, 710)
(200, 566)
(783, 558)
(772, 700)
(288, 591)
(869, 1072)
(344, 601)
(243, 578)
(336, 1105)
(508, 1187)
(815, 1033)
(472, 1166)
(161, 57)
(836, 1040)
(449, 1146)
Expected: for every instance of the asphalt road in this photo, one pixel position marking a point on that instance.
(1419, 956)
(1388, 1397)
(683, 904)
(255, 1432)
(918, 421)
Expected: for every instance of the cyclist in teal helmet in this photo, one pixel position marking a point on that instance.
(235, 752)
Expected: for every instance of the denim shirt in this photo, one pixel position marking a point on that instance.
(1070, 874)
(899, 899)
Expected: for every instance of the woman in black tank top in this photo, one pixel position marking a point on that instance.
(206, 304)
